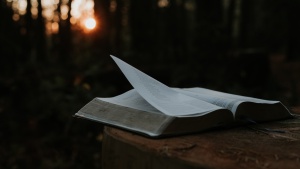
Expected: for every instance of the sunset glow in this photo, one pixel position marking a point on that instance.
(90, 23)
(54, 11)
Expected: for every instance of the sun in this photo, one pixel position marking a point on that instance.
(90, 23)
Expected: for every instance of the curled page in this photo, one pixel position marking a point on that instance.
(162, 97)
(131, 99)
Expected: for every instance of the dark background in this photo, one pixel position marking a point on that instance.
(243, 47)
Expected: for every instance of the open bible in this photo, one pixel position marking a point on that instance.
(154, 109)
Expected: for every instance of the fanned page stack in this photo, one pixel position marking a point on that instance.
(154, 109)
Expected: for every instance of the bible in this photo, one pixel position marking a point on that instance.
(153, 109)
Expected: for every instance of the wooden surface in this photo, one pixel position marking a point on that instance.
(241, 147)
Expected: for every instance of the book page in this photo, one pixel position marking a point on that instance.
(131, 99)
(162, 97)
(226, 100)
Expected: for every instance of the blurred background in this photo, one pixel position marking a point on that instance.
(54, 58)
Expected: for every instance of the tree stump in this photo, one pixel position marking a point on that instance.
(242, 147)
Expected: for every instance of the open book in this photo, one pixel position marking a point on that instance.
(154, 109)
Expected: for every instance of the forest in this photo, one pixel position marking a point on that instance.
(55, 57)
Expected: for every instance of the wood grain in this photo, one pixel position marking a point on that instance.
(242, 147)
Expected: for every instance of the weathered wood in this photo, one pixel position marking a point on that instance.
(242, 147)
